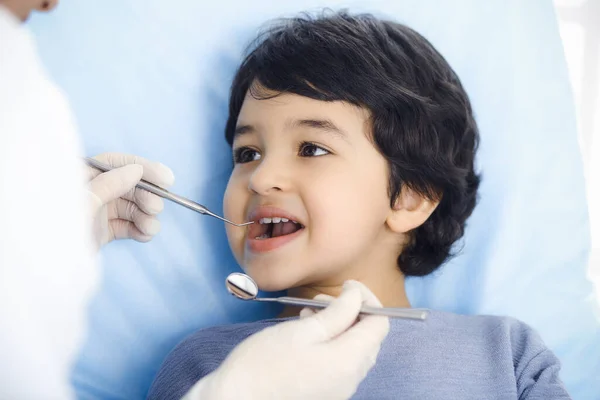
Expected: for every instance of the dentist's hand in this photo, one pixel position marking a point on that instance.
(324, 355)
(119, 209)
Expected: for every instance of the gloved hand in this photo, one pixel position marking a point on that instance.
(320, 356)
(119, 209)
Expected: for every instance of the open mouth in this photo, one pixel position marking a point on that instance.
(269, 228)
(272, 229)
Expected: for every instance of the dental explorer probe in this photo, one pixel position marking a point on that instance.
(165, 194)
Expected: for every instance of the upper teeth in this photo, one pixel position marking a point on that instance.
(274, 220)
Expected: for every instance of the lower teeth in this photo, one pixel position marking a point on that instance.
(261, 237)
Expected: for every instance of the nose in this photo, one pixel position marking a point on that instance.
(268, 177)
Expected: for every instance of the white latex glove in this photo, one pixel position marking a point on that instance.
(119, 209)
(322, 356)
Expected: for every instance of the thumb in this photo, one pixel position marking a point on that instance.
(115, 183)
(309, 312)
(337, 317)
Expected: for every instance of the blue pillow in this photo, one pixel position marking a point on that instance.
(152, 77)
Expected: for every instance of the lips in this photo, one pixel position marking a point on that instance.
(268, 222)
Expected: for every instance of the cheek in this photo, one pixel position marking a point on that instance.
(345, 210)
(229, 207)
(234, 201)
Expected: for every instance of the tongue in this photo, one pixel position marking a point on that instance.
(284, 228)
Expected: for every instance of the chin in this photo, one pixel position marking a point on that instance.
(272, 279)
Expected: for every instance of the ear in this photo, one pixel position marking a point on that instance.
(410, 211)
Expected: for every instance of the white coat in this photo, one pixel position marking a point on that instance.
(47, 267)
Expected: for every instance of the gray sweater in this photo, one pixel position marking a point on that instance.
(448, 356)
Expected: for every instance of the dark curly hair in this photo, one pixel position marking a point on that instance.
(422, 121)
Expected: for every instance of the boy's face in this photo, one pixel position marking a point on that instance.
(311, 162)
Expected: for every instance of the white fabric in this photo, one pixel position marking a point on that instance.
(346, 353)
(47, 271)
(579, 23)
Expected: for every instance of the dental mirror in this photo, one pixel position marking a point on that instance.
(243, 287)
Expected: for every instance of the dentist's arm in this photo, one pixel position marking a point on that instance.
(325, 355)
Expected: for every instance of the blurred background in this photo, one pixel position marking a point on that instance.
(579, 24)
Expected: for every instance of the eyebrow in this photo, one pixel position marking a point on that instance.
(324, 125)
(243, 129)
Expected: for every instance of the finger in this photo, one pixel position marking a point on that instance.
(324, 297)
(113, 184)
(370, 331)
(369, 297)
(154, 172)
(366, 335)
(129, 211)
(122, 229)
(336, 318)
(146, 201)
(149, 203)
(308, 312)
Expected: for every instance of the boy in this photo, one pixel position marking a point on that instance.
(354, 146)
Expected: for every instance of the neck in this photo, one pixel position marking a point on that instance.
(388, 287)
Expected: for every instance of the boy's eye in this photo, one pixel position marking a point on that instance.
(311, 150)
(244, 155)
